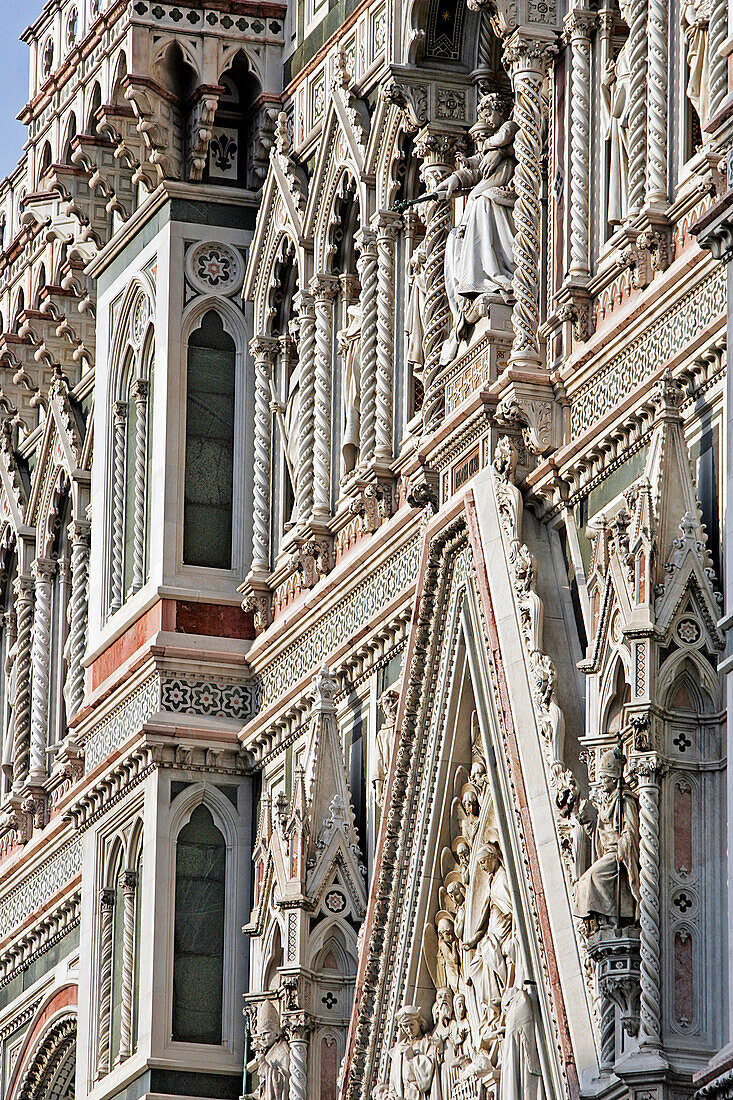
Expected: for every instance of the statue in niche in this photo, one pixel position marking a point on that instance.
(288, 414)
(479, 261)
(388, 702)
(695, 25)
(416, 310)
(414, 1070)
(349, 345)
(272, 1055)
(615, 102)
(608, 890)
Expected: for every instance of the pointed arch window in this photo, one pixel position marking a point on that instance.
(130, 462)
(209, 464)
(198, 951)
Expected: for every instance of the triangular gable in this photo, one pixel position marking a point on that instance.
(464, 615)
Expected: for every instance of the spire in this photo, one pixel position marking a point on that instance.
(325, 781)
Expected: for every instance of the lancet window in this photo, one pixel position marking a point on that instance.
(130, 452)
(209, 463)
(8, 653)
(232, 159)
(347, 397)
(198, 953)
(119, 951)
(287, 393)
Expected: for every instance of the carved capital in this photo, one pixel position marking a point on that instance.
(119, 415)
(258, 603)
(140, 390)
(530, 56)
(263, 350)
(106, 898)
(43, 570)
(324, 287)
(128, 882)
(535, 413)
(578, 25)
(80, 533)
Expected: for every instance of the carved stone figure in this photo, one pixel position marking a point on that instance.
(695, 24)
(349, 342)
(449, 960)
(272, 1061)
(416, 311)
(388, 702)
(609, 889)
(466, 811)
(615, 89)
(521, 1072)
(478, 256)
(291, 417)
(414, 1073)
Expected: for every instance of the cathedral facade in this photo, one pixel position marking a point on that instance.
(363, 472)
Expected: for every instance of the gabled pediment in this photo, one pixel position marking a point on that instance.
(469, 877)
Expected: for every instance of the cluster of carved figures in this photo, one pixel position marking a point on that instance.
(483, 1040)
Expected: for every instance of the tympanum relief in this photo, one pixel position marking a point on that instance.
(481, 1041)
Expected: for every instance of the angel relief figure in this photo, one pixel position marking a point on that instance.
(465, 806)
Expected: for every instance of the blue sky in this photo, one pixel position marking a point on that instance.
(14, 18)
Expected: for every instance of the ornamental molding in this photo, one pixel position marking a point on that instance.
(40, 885)
(44, 934)
(348, 615)
(665, 339)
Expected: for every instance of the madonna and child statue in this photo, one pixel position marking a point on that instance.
(479, 262)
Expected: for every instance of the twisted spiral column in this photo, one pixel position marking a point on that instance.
(637, 47)
(658, 91)
(608, 1034)
(306, 310)
(528, 61)
(140, 390)
(77, 614)
(263, 350)
(387, 226)
(119, 427)
(324, 289)
(106, 937)
(298, 1066)
(10, 629)
(22, 711)
(43, 570)
(648, 773)
(578, 28)
(367, 268)
(438, 155)
(718, 76)
(129, 894)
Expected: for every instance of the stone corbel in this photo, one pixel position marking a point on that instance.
(412, 100)
(714, 230)
(258, 601)
(374, 501)
(312, 559)
(200, 122)
(616, 954)
(576, 312)
(531, 404)
(422, 488)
